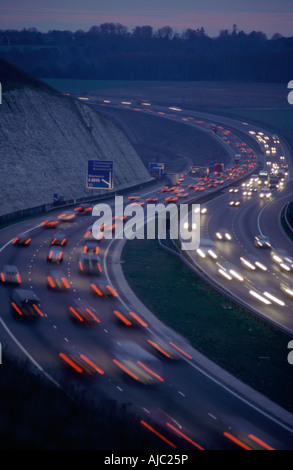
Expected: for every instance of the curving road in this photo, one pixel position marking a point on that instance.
(191, 402)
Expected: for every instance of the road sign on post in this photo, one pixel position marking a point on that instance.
(100, 174)
(157, 168)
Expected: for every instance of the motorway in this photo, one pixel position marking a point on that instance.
(183, 401)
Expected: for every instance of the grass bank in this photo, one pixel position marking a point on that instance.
(228, 335)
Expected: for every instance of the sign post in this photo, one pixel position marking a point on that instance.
(100, 174)
(157, 168)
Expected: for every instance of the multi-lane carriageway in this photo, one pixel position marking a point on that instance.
(182, 398)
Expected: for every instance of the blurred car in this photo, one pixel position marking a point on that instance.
(247, 192)
(283, 259)
(229, 271)
(56, 280)
(234, 203)
(171, 198)
(83, 209)
(103, 290)
(265, 193)
(81, 312)
(200, 210)
(129, 318)
(23, 239)
(66, 216)
(288, 289)
(91, 246)
(50, 223)
(233, 190)
(252, 263)
(152, 199)
(223, 235)
(80, 363)
(59, 239)
(25, 303)
(108, 227)
(55, 254)
(207, 249)
(261, 241)
(10, 275)
(162, 348)
(136, 363)
(89, 264)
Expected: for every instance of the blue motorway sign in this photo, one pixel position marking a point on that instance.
(157, 167)
(100, 174)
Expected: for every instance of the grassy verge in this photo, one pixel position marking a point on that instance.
(230, 336)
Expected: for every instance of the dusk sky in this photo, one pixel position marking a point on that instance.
(269, 16)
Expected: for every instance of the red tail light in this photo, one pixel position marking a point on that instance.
(16, 308)
(38, 310)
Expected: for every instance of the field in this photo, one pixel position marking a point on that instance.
(189, 95)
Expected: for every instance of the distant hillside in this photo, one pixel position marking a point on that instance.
(46, 141)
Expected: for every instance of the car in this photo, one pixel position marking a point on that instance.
(91, 246)
(102, 289)
(234, 203)
(200, 210)
(182, 195)
(107, 227)
(283, 259)
(137, 364)
(265, 193)
(171, 199)
(152, 199)
(89, 264)
(83, 209)
(252, 263)
(188, 226)
(66, 216)
(288, 289)
(223, 235)
(55, 254)
(81, 363)
(161, 348)
(207, 249)
(59, 239)
(234, 190)
(229, 271)
(83, 313)
(56, 280)
(50, 223)
(25, 303)
(129, 318)
(10, 275)
(261, 241)
(22, 239)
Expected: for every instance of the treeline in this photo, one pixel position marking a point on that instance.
(113, 52)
